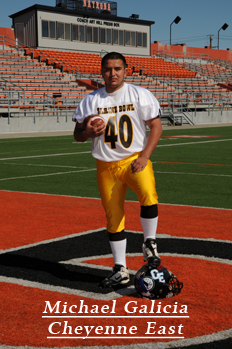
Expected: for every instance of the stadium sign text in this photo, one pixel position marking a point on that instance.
(98, 22)
(96, 4)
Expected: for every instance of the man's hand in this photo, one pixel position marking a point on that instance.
(96, 130)
(84, 131)
(138, 164)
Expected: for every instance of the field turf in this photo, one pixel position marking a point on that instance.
(192, 166)
(53, 247)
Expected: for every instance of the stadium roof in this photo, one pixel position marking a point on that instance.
(37, 7)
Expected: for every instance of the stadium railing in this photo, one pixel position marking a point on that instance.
(45, 88)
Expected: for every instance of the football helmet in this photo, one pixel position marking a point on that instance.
(156, 282)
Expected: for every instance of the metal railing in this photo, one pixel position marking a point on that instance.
(176, 103)
(191, 57)
(7, 42)
(175, 56)
(12, 105)
(14, 101)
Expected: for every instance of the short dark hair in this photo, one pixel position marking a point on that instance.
(113, 55)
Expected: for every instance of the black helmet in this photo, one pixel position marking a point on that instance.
(155, 282)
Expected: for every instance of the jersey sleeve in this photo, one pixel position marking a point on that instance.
(83, 109)
(149, 106)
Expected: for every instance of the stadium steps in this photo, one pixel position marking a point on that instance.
(213, 71)
(38, 73)
(157, 67)
(26, 83)
(176, 119)
(161, 83)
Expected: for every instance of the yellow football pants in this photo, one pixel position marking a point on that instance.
(113, 179)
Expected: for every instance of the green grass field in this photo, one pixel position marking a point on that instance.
(190, 171)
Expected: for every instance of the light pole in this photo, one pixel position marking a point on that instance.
(224, 27)
(176, 20)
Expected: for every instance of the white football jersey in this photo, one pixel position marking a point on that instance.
(124, 112)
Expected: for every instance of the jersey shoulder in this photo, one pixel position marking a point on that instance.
(142, 94)
(94, 94)
(87, 106)
(89, 100)
(141, 91)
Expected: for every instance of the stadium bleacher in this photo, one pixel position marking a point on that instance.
(41, 80)
(28, 84)
(217, 73)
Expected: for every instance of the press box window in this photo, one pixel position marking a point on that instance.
(102, 36)
(109, 36)
(139, 39)
(92, 34)
(121, 37)
(60, 31)
(144, 39)
(52, 30)
(105, 36)
(45, 29)
(74, 32)
(82, 33)
(48, 29)
(127, 38)
(95, 35)
(133, 40)
(67, 28)
(89, 34)
(115, 37)
(130, 39)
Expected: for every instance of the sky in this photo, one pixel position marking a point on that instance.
(200, 19)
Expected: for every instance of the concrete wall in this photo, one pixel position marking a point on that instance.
(28, 22)
(39, 124)
(214, 117)
(61, 123)
(177, 50)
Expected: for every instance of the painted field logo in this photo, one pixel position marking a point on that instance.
(73, 263)
(67, 271)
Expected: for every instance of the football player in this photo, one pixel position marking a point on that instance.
(122, 149)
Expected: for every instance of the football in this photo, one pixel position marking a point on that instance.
(94, 119)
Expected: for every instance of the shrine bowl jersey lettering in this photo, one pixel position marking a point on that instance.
(125, 112)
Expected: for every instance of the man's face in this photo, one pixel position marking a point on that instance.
(113, 73)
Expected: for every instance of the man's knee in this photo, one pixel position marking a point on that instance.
(121, 235)
(149, 211)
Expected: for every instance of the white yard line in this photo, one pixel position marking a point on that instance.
(42, 165)
(43, 156)
(184, 143)
(194, 174)
(89, 152)
(94, 169)
(47, 174)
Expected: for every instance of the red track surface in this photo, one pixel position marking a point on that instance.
(30, 218)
